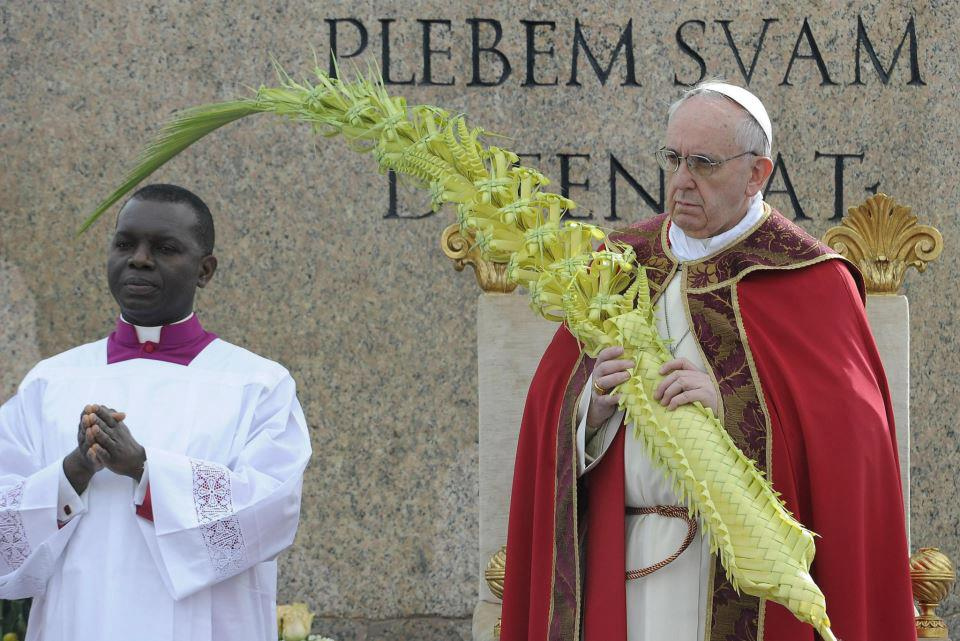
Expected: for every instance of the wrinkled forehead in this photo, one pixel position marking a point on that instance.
(703, 123)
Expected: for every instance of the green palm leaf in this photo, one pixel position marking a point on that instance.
(185, 129)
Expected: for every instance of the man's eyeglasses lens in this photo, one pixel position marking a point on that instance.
(699, 165)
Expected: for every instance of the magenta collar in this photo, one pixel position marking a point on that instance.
(179, 343)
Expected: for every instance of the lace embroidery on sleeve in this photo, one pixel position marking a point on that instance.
(219, 526)
(14, 545)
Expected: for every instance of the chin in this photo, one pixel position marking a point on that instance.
(141, 310)
(699, 234)
(140, 306)
(692, 226)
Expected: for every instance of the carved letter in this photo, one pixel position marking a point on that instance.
(813, 55)
(863, 41)
(690, 51)
(625, 42)
(566, 183)
(385, 55)
(536, 156)
(616, 169)
(838, 160)
(476, 50)
(427, 78)
(533, 52)
(392, 210)
(747, 74)
(788, 189)
(334, 52)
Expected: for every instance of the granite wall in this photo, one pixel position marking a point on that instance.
(325, 271)
(18, 333)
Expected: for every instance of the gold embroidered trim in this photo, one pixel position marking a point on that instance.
(660, 289)
(753, 268)
(768, 444)
(703, 356)
(711, 588)
(761, 619)
(576, 549)
(576, 525)
(727, 616)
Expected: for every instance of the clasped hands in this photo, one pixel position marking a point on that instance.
(682, 384)
(103, 441)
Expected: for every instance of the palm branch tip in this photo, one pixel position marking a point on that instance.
(184, 129)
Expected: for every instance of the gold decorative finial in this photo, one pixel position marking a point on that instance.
(495, 574)
(883, 239)
(492, 277)
(496, 571)
(932, 574)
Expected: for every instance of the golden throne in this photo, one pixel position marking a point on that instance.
(880, 236)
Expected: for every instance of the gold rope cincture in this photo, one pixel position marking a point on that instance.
(672, 511)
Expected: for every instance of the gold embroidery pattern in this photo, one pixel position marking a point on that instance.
(564, 619)
(715, 325)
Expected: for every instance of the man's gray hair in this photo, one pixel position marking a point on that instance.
(749, 135)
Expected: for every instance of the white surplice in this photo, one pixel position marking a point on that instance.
(671, 602)
(226, 444)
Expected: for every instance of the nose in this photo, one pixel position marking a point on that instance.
(683, 178)
(141, 258)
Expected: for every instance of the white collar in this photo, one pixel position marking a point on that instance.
(686, 248)
(152, 334)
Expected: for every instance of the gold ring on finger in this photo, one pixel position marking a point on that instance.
(602, 391)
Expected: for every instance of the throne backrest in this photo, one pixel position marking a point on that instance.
(889, 317)
(510, 341)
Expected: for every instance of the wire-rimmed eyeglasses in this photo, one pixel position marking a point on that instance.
(702, 166)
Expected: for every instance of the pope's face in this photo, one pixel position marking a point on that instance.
(704, 206)
(156, 262)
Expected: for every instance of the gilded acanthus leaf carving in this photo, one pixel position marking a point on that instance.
(883, 239)
(463, 251)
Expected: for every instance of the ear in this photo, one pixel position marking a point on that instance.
(208, 265)
(759, 174)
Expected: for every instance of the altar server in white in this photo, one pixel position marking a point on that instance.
(149, 480)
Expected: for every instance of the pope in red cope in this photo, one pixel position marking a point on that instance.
(767, 328)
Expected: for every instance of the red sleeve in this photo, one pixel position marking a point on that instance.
(145, 509)
(834, 447)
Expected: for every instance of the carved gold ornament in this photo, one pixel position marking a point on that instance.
(496, 571)
(932, 574)
(463, 251)
(883, 239)
(495, 574)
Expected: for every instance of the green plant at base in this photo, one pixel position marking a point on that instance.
(13, 617)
